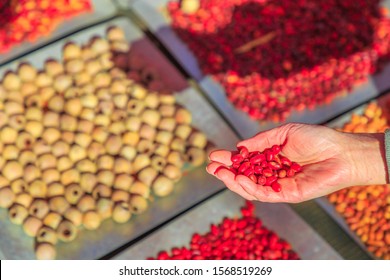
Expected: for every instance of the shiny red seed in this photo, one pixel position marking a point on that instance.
(261, 180)
(237, 158)
(264, 164)
(248, 172)
(282, 173)
(269, 156)
(275, 149)
(258, 170)
(243, 151)
(244, 166)
(290, 172)
(285, 161)
(267, 172)
(253, 178)
(270, 180)
(257, 159)
(296, 167)
(274, 165)
(276, 187)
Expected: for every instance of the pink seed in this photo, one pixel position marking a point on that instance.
(261, 180)
(257, 159)
(276, 187)
(243, 151)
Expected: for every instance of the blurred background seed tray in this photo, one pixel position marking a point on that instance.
(195, 186)
(101, 10)
(276, 217)
(323, 201)
(154, 16)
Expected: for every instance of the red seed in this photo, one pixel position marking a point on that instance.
(285, 161)
(243, 151)
(296, 167)
(244, 166)
(274, 165)
(253, 178)
(276, 187)
(267, 172)
(275, 149)
(257, 159)
(249, 171)
(270, 180)
(269, 155)
(237, 158)
(282, 173)
(261, 180)
(290, 172)
(258, 170)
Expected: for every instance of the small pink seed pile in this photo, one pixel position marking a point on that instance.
(234, 239)
(264, 168)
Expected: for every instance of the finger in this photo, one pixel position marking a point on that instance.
(228, 178)
(266, 139)
(213, 167)
(221, 156)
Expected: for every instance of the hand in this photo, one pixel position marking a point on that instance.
(330, 161)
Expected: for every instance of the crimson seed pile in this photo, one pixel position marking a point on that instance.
(264, 168)
(234, 239)
(273, 57)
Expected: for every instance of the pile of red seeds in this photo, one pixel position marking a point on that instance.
(27, 20)
(272, 57)
(264, 168)
(234, 239)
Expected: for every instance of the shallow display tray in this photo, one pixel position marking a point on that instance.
(194, 187)
(153, 13)
(323, 201)
(102, 9)
(277, 217)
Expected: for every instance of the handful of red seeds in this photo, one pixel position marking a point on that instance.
(234, 239)
(264, 168)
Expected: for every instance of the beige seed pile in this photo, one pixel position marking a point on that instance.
(81, 143)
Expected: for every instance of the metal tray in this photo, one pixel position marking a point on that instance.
(323, 201)
(195, 186)
(277, 217)
(102, 9)
(152, 12)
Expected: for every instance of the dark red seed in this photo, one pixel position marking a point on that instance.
(244, 166)
(253, 178)
(276, 187)
(258, 170)
(237, 158)
(267, 172)
(270, 180)
(257, 159)
(274, 165)
(243, 151)
(296, 167)
(275, 149)
(261, 180)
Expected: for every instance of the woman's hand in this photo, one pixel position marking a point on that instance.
(330, 161)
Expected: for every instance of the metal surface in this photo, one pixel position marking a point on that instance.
(277, 217)
(195, 186)
(102, 9)
(153, 14)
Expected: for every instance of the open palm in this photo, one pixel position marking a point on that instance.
(327, 157)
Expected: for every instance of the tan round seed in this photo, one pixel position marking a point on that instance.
(58, 204)
(73, 193)
(7, 197)
(86, 203)
(45, 251)
(17, 214)
(66, 231)
(121, 212)
(74, 215)
(162, 186)
(31, 226)
(138, 204)
(52, 220)
(91, 220)
(47, 234)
